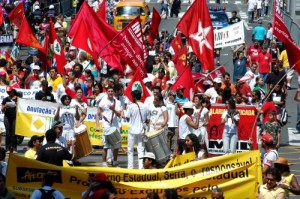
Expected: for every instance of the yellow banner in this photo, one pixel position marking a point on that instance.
(237, 174)
(35, 117)
(181, 159)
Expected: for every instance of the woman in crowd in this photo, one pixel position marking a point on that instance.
(288, 181)
(192, 144)
(9, 105)
(260, 86)
(230, 118)
(186, 124)
(158, 114)
(274, 52)
(98, 95)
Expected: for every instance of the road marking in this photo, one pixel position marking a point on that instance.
(247, 27)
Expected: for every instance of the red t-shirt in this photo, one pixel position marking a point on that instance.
(253, 53)
(245, 90)
(269, 106)
(264, 62)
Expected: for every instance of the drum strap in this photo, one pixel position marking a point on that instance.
(140, 112)
(112, 116)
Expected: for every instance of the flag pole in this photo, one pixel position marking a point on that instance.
(268, 95)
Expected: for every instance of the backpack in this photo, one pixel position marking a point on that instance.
(47, 194)
(282, 117)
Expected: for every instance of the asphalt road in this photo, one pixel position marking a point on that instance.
(290, 152)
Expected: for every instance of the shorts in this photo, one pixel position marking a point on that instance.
(106, 145)
(289, 72)
(69, 134)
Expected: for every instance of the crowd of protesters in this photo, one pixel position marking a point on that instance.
(261, 77)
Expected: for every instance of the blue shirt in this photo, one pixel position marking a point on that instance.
(36, 194)
(259, 33)
(181, 100)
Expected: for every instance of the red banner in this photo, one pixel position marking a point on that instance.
(130, 45)
(246, 123)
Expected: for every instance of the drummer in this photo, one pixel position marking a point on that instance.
(110, 110)
(66, 114)
(137, 114)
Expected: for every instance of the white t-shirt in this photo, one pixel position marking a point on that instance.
(149, 101)
(213, 95)
(202, 114)
(67, 117)
(104, 104)
(156, 115)
(138, 115)
(184, 128)
(251, 4)
(270, 157)
(81, 105)
(230, 126)
(173, 118)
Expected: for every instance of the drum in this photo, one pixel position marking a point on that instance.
(83, 144)
(112, 136)
(156, 142)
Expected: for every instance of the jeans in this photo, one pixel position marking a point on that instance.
(132, 139)
(298, 118)
(251, 16)
(10, 138)
(266, 10)
(229, 142)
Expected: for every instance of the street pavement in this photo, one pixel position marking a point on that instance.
(288, 131)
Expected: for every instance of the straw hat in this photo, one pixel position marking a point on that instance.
(283, 161)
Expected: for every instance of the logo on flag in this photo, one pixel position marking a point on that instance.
(57, 48)
(38, 124)
(137, 86)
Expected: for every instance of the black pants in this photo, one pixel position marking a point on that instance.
(10, 138)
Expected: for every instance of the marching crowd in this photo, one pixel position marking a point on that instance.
(261, 77)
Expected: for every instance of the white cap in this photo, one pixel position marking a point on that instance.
(207, 82)
(36, 7)
(218, 80)
(145, 80)
(148, 155)
(188, 105)
(36, 67)
(51, 7)
(170, 82)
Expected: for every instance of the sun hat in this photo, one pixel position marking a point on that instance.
(283, 161)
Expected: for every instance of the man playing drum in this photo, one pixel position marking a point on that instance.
(109, 109)
(137, 114)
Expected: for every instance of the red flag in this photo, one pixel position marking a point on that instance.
(98, 36)
(176, 44)
(1, 16)
(156, 19)
(17, 14)
(185, 80)
(197, 26)
(27, 37)
(282, 33)
(199, 86)
(197, 76)
(219, 72)
(81, 35)
(180, 60)
(102, 11)
(59, 53)
(43, 53)
(130, 45)
(137, 83)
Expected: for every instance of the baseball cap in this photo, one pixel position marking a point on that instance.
(57, 124)
(33, 139)
(148, 155)
(51, 7)
(146, 80)
(266, 138)
(188, 105)
(99, 177)
(111, 79)
(218, 80)
(36, 67)
(207, 82)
